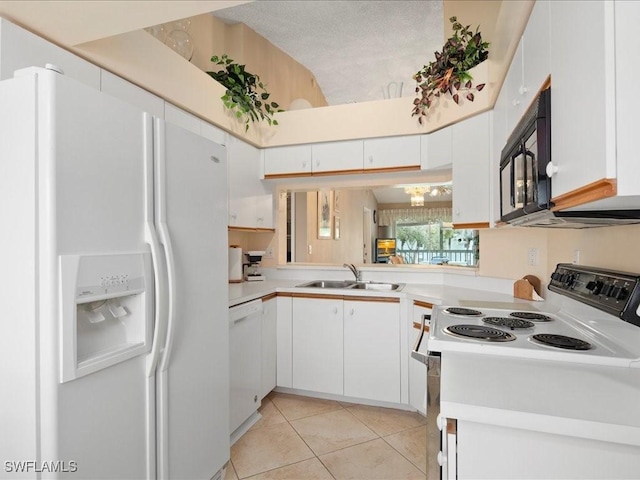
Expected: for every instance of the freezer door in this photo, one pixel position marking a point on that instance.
(193, 375)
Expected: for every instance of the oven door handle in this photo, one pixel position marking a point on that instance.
(416, 353)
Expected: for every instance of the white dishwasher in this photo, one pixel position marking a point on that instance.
(245, 372)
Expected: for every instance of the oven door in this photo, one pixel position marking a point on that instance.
(436, 457)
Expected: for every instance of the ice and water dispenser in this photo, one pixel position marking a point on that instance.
(106, 310)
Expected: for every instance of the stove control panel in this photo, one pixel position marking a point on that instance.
(617, 293)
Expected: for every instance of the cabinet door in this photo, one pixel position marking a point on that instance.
(471, 171)
(22, 49)
(318, 345)
(290, 160)
(583, 93)
(536, 51)
(269, 344)
(337, 156)
(372, 349)
(417, 369)
(435, 149)
(250, 204)
(514, 89)
(392, 152)
(284, 341)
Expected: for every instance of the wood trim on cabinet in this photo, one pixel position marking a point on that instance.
(410, 168)
(318, 295)
(603, 188)
(270, 176)
(420, 303)
(418, 326)
(251, 229)
(271, 296)
(471, 226)
(337, 172)
(274, 176)
(363, 298)
(284, 294)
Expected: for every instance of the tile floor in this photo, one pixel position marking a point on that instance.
(303, 438)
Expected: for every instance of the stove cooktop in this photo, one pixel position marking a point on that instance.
(529, 334)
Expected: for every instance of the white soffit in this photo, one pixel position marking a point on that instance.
(355, 49)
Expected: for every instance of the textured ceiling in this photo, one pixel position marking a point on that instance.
(354, 48)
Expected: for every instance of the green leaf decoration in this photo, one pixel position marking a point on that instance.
(448, 74)
(246, 95)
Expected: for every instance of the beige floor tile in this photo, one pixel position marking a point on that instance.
(331, 431)
(308, 470)
(412, 444)
(294, 407)
(266, 448)
(370, 461)
(230, 473)
(270, 415)
(386, 421)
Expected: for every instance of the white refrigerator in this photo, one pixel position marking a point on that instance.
(114, 342)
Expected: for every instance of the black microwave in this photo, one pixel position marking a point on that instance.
(525, 187)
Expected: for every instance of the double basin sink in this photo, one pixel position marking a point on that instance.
(353, 285)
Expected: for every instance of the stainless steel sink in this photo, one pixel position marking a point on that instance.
(378, 286)
(328, 284)
(346, 284)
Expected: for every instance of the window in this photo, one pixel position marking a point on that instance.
(436, 243)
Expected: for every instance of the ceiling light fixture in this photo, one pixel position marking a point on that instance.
(417, 193)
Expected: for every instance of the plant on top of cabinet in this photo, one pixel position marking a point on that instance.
(449, 73)
(245, 92)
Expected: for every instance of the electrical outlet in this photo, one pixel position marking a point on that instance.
(268, 252)
(576, 256)
(310, 250)
(532, 257)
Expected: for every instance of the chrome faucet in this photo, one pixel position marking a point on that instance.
(357, 273)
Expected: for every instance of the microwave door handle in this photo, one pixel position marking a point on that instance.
(512, 174)
(528, 153)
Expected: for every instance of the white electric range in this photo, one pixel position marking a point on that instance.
(560, 384)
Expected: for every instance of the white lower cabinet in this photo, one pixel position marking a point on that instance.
(284, 341)
(269, 344)
(318, 344)
(372, 349)
(417, 369)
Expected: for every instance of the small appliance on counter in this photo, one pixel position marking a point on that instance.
(252, 272)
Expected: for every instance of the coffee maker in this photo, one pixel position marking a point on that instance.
(252, 271)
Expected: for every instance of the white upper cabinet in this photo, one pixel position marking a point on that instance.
(435, 149)
(337, 156)
(583, 96)
(529, 67)
(289, 160)
(120, 88)
(250, 202)
(471, 172)
(392, 152)
(21, 49)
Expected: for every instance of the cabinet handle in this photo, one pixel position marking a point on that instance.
(352, 312)
(335, 310)
(516, 103)
(551, 169)
(260, 220)
(523, 90)
(215, 159)
(304, 164)
(370, 158)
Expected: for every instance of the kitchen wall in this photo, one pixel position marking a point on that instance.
(504, 252)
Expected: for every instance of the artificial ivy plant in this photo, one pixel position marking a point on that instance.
(449, 72)
(246, 95)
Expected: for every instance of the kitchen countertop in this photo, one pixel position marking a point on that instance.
(431, 293)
